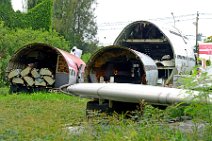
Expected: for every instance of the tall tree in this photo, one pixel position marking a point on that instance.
(75, 20)
(84, 22)
(63, 16)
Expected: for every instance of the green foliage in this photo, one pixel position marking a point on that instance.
(88, 50)
(117, 127)
(6, 11)
(32, 3)
(23, 117)
(84, 19)
(39, 17)
(208, 39)
(199, 111)
(63, 17)
(75, 20)
(86, 57)
(39, 116)
(208, 62)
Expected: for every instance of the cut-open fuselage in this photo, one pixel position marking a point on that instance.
(140, 53)
(122, 65)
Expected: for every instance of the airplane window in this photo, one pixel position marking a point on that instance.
(180, 57)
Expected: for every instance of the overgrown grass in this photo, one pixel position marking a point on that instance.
(47, 116)
(38, 116)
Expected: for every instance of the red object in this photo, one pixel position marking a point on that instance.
(205, 48)
(72, 61)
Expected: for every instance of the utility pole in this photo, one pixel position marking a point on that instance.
(173, 18)
(197, 48)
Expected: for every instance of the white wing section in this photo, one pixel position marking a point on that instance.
(133, 93)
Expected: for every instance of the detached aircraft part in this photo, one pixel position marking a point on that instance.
(41, 66)
(144, 54)
(124, 65)
(167, 46)
(134, 93)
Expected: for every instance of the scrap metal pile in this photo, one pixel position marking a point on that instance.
(32, 77)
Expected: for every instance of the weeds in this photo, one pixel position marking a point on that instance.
(38, 116)
(201, 112)
(43, 116)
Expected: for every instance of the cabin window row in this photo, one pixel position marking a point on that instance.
(185, 58)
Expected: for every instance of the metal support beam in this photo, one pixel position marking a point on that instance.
(196, 45)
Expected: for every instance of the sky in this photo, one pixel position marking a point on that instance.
(113, 15)
(17, 4)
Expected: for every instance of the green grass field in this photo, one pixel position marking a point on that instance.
(46, 116)
(38, 116)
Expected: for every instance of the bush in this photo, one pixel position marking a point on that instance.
(39, 17)
(86, 57)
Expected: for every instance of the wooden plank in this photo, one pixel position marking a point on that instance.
(25, 71)
(14, 73)
(49, 80)
(29, 80)
(45, 71)
(40, 82)
(17, 80)
(35, 73)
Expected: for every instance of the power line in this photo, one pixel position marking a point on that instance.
(105, 24)
(105, 29)
(108, 26)
(206, 18)
(179, 18)
(205, 13)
